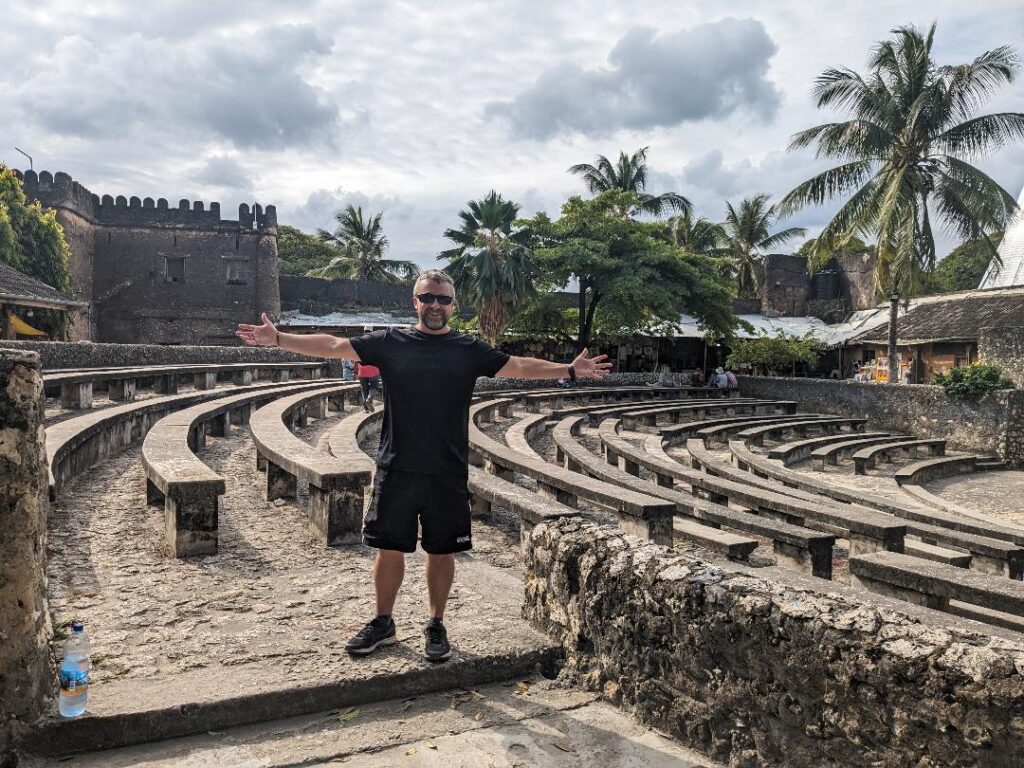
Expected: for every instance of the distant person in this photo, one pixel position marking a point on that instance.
(721, 380)
(422, 463)
(697, 378)
(369, 382)
(665, 377)
(348, 370)
(731, 382)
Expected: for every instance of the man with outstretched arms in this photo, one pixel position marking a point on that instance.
(429, 372)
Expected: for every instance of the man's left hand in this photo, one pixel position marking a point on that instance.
(591, 367)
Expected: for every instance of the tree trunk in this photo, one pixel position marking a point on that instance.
(588, 325)
(894, 308)
(581, 320)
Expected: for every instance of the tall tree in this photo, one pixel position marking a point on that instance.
(904, 151)
(629, 174)
(694, 234)
(491, 264)
(360, 245)
(32, 241)
(299, 253)
(748, 237)
(629, 277)
(964, 267)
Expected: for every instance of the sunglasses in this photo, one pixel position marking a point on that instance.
(429, 298)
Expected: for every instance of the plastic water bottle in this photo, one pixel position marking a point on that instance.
(74, 673)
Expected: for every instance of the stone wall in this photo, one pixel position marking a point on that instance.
(315, 296)
(763, 670)
(993, 425)
(56, 354)
(611, 380)
(27, 677)
(1004, 347)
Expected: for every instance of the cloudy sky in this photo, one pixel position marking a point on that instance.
(413, 108)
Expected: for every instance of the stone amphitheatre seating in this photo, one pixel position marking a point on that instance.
(828, 425)
(76, 386)
(690, 428)
(638, 513)
(829, 445)
(74, 445)
(335, 508)
(188, 489)
(866, 458)
(935, 468)
(557, 399)
(941, 587)
(486, 490)
(648, 417)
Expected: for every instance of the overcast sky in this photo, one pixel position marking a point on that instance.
(413, 108)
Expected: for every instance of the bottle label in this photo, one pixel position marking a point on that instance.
(74, 680)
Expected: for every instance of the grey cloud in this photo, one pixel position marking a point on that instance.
(248, 90)
(653, 80)
(222, 171)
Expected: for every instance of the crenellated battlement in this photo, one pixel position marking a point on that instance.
(61, 191)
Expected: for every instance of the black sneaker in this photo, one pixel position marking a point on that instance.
(367, 407)
(438, 648)
(380, 631)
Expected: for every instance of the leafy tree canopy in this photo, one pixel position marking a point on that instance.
(809, 249)
(964, 267)
(32, 241)
(973, 381)
(299, 252)
(629, 277)
(775, 353)
(359, 246)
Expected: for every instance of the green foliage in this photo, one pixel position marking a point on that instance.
(491, 263)
(32, 241)
(629, 174)
(747, 237)
(964, 267)
(629, 277)
(359, 245)
(817, 259)
(775, 353)
(973, 381)
(299, 253)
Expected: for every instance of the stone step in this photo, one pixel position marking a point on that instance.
(523, 721)
(138, 711)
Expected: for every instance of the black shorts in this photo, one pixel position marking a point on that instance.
(440, 502)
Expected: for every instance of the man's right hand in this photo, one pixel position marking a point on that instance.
(264, 335)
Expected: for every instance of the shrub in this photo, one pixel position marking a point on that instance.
(775, 353)
(972, 381)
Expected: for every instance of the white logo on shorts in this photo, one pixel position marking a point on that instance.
(462, 540)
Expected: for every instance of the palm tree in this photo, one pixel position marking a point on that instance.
(747, 238)
(492, 264)
(694, 235)
(361, 245)
(629, 174)
(912, 124)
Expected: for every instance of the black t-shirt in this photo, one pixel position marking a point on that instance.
(428, 384)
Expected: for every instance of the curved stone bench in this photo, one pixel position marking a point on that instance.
(823, 451)
(648, 417)
(76, 386)
(687, 429)
(74, 445)
(486, 490)
(865, 458)
(637, 513)
(994, 549)
(335, 510)
(558, 399)
(827, 426)
(933, 469)
(188, 489)
(719, 431)
(517, 436)
(934, 585)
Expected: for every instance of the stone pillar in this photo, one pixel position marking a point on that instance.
(336, 515)
(280, 483)
(27, 677)
(244, 377)
(76, 396)
(207, 380)
(166, 384)
(122, 389)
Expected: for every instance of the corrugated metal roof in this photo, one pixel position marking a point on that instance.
(1011, 254)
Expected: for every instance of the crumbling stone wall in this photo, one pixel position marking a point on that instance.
(1004, 347)
(993, 425)
(762, 672)
(320, 297)
(57, 354)
(27, 676)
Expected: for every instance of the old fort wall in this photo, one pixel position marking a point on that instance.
(1004, 347)
(763, 667)
(993, 425)
(158, 273)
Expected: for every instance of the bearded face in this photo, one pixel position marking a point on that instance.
(431, 313)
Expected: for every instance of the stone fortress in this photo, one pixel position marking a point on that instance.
(153, 273)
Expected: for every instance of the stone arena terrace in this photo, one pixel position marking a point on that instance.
(660, 575)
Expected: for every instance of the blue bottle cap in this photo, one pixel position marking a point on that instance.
(77, 626)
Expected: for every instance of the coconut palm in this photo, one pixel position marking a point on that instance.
(694, 234)
(904, 155)
(360, 245)
(748, 237)
(629, 173)
(492, 264)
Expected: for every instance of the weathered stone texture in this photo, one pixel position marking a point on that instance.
(26, 670)
(993, 425)
(1004, 347)
(765, 673)
(58, 354)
